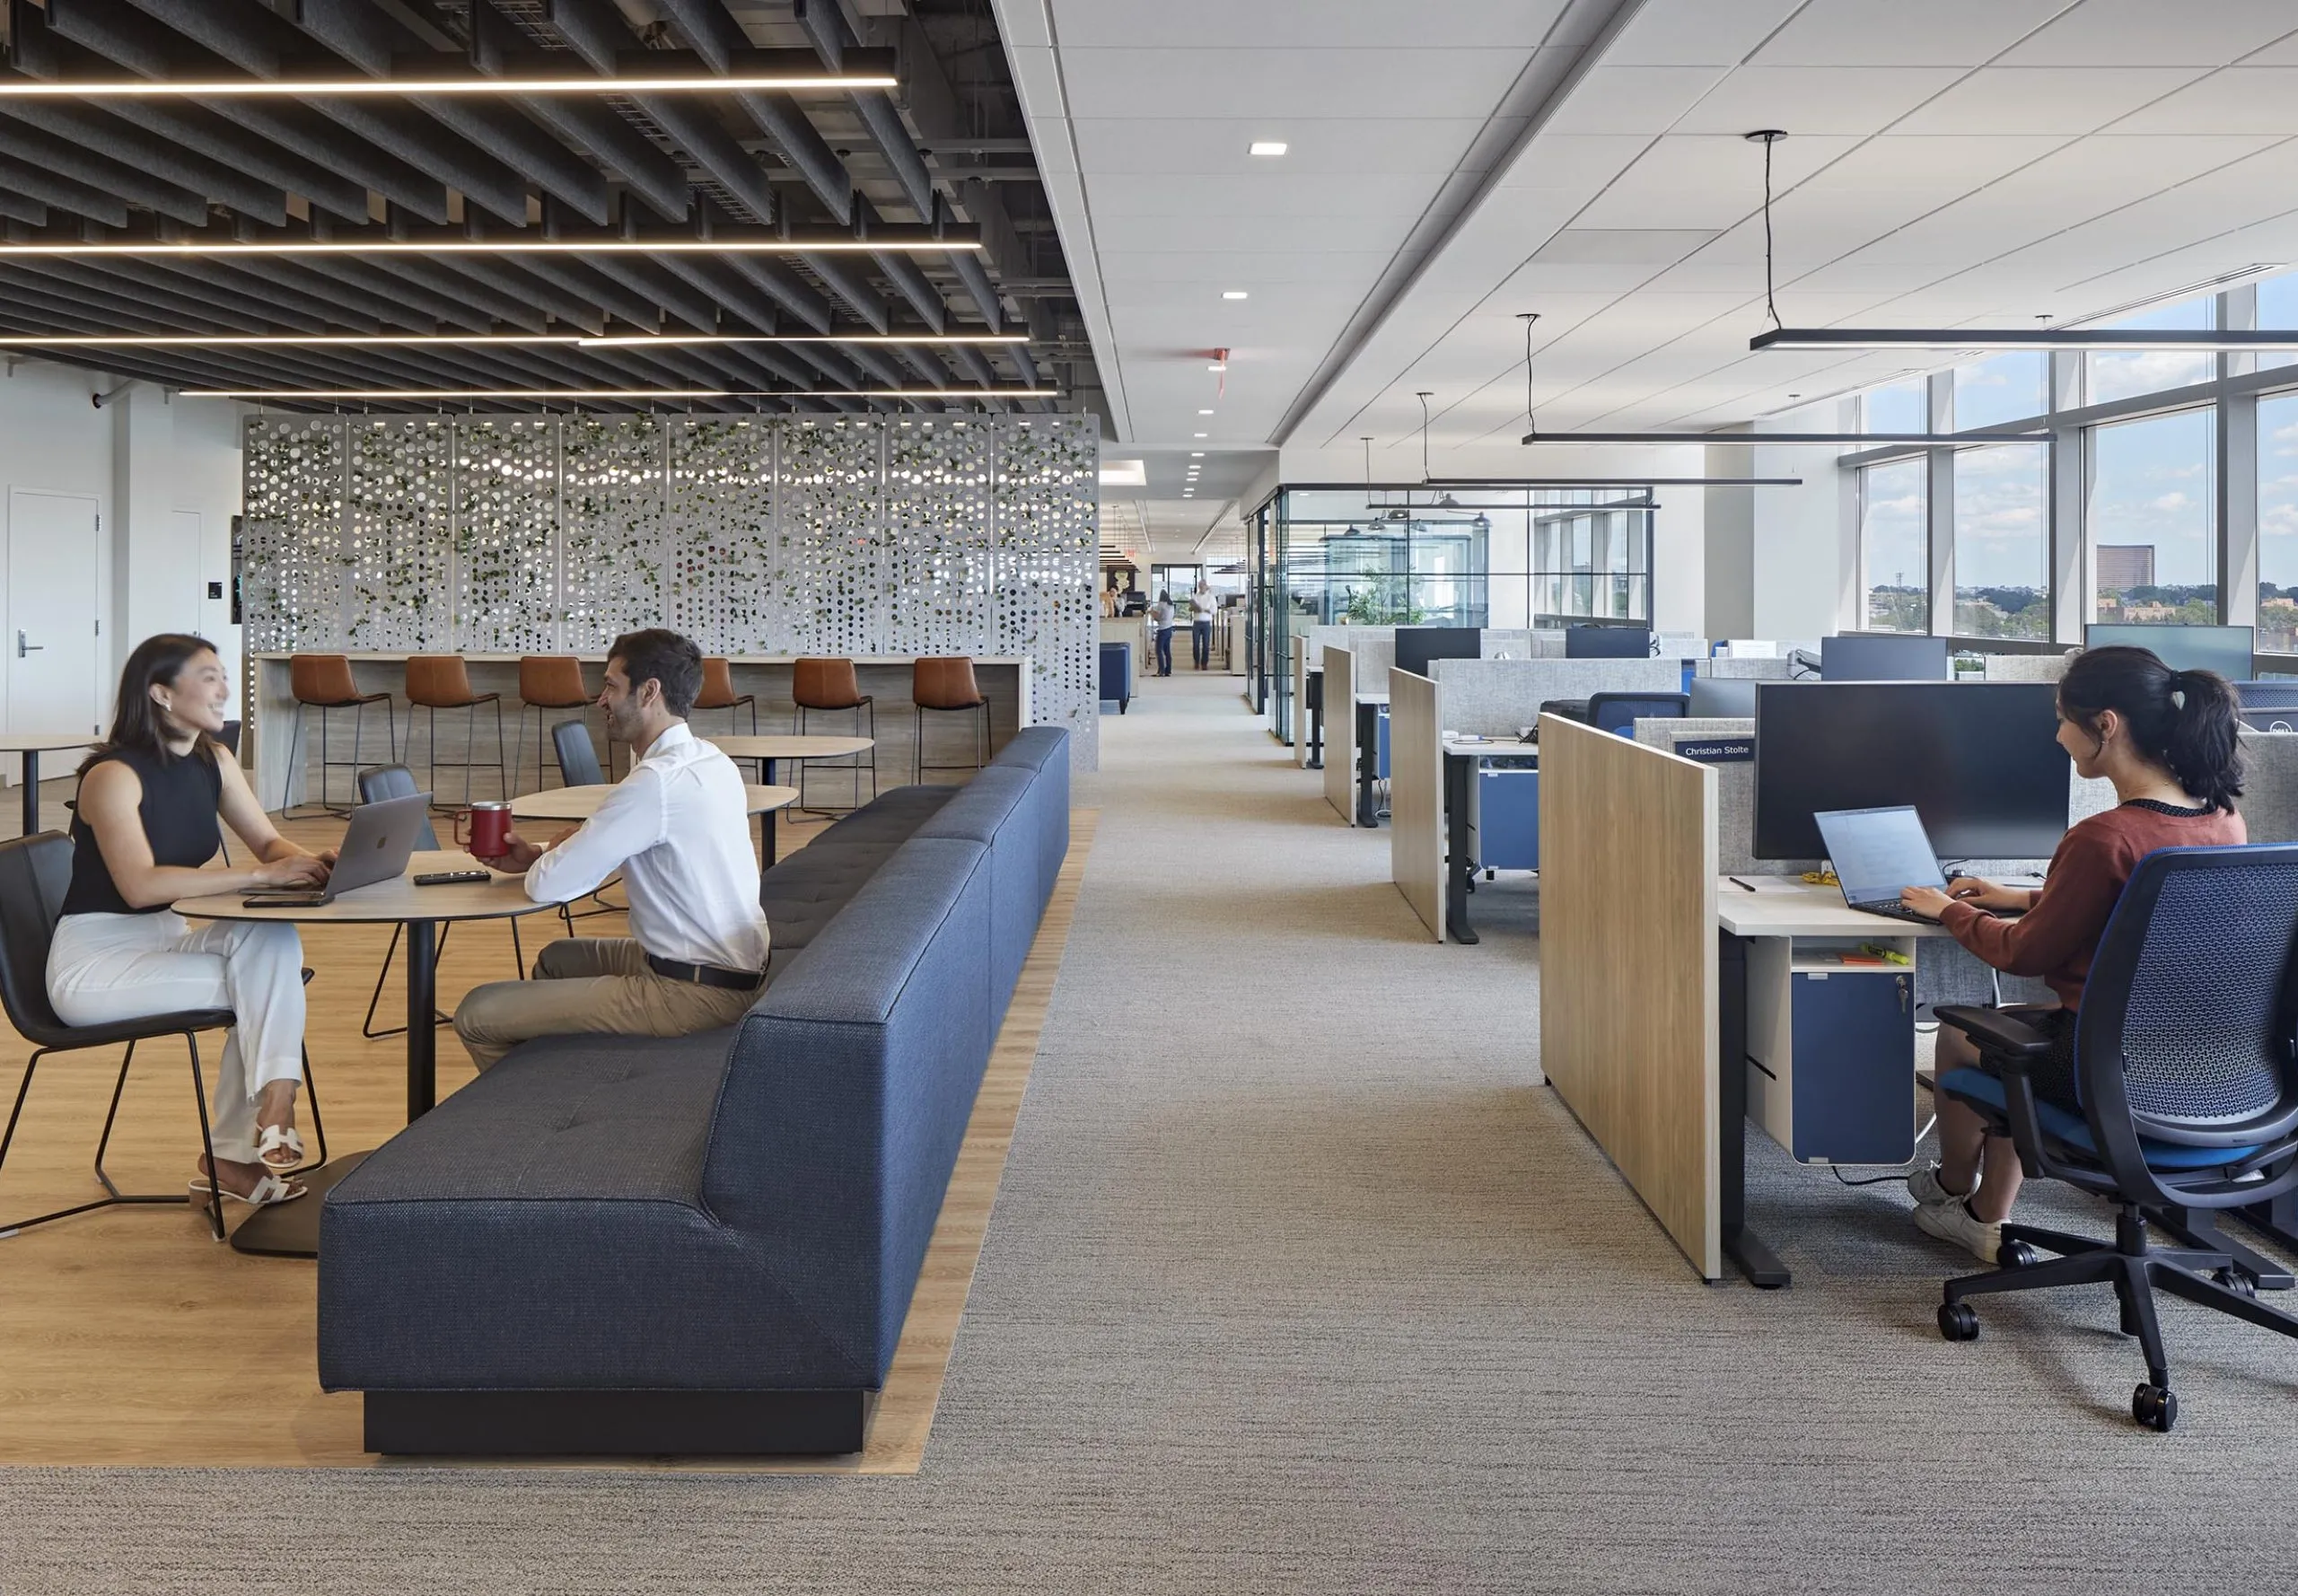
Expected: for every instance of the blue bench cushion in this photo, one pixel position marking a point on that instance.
(1978, 1086)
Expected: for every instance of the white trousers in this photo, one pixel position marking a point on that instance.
(103, 967)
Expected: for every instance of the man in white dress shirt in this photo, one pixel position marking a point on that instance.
(678, 829)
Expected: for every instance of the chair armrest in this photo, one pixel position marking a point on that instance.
(1996, 1032)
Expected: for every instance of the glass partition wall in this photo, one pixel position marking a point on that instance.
(1392, 555)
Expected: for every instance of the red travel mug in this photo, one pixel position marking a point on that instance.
(490, 829)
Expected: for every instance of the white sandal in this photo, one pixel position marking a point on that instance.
(274, 1137)
(268, 1191)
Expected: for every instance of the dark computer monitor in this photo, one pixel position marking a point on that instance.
(2266, 706)
(1607, 642)
(2223, 649)
(1723, 698)
(1979, 761)
(1416, 646)
(1883, 659)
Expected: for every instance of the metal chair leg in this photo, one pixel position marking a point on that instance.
(104, 1141)
(294, 737)
(312, 1097)
(206, 1141)
(502, 776)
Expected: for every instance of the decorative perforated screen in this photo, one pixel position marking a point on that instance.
(856, 535)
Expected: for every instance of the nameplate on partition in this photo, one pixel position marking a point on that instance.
(1716, 750)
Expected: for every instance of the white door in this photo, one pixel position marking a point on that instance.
(55, 677)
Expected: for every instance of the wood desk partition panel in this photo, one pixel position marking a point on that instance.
(1627, 967)
(1340, 731)
(1416, 796)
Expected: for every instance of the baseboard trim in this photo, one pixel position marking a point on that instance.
(618, 1422)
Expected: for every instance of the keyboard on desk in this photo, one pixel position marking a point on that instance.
(1894, 909)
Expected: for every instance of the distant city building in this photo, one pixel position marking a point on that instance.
(2125, 566)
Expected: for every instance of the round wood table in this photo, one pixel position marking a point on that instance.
(292, 1229)
(768, 749)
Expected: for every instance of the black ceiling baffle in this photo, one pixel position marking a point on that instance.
(859, 163)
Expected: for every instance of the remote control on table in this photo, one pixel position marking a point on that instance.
(451, 878)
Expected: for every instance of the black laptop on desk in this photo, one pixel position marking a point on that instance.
(1876, 852)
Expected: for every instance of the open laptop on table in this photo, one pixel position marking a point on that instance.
(376, 848)
(1876, 852)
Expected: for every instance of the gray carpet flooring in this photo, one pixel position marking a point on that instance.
(1299, 1281)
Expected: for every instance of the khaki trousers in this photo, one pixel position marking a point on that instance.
(590, 985)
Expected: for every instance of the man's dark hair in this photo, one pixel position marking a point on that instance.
(658, 654)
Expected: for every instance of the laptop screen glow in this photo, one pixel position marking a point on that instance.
(1876, 852)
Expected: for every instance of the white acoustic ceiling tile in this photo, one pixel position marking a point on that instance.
(1289, 194)
(1935, 33)
(1036, 77)
(1697, 32)
(2155, 33)
(1566, 160)
(1050, 142)
(1707, 208)
(1614, 100)
(1728, 161)
(1274, 267)
(2044, 100)
(2261, 100)
(1295, 302)
(1930, 163)
(1332, 145)
(1643, 246)
(1268, 86)
(1215, 236)
(1305, 25)
(1807, 100)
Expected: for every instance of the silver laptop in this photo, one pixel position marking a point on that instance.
(1876, 852)
(376, 847)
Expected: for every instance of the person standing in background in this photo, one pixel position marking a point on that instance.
(1201, 606)
(1161, 617)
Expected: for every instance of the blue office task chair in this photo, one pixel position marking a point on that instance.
(2187, 1064)
(1619, 712)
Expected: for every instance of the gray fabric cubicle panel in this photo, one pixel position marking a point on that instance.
(2025, 667)
(2270, 801)
(1747, 669)
(1735, 791)
(1375, 657)
(1500, 697)
(1502, 642)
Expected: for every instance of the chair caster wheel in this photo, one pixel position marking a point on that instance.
(2016, 1255)
(1958, 1321)
(2155, 1407)
(2238, 1281)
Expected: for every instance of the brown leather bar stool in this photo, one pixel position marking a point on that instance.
(831, 685)
(437, 682)
(322, 681)
(718, 692)
(546, 682)
(946, 684)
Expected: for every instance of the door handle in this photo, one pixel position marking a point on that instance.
(23, 648)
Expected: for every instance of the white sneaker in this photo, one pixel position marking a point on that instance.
(1924, 1187)
(1954, 1222)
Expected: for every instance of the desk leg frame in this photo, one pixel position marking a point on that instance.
(1742, 1245)
(1368, 764)
(1459, 858)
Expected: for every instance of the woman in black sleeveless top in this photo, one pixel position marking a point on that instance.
(150, 797)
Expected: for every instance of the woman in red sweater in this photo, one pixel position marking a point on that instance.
(2169, 741)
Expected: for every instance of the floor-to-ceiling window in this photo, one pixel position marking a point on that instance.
(2002, 541)
(2152, 521)
(2278, 524)
(1894, 547)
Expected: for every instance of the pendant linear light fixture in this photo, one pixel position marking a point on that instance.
(899, 240)
(770, 72)
(1979, 338)
(486, 340)
(383, 395)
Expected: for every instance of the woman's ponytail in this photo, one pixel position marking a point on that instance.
(2184, 720)
(2204, 747)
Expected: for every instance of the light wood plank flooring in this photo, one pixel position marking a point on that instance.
(127, 1336)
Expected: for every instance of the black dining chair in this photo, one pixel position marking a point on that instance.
(34, 871)
(578, 766)
(2186, 1059)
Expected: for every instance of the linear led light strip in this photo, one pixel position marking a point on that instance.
(2019, 338)
(347, 394)
(507, 246)
(486, 340)
(244, 88)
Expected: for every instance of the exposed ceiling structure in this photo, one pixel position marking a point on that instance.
(921, 200)
(1447, 168)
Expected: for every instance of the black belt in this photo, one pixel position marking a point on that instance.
(704, 975)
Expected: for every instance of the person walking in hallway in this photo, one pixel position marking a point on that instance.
(1201, 606)
(144, 823)
(1161, 617)
(678, 829)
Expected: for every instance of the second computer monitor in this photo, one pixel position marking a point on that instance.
(2223, 649)
(1979, 761)
(1418, 646)
(1722, 697)
(1883, 659)
(1607, 642)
